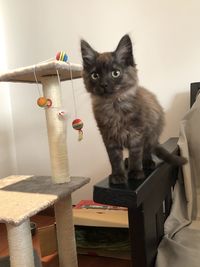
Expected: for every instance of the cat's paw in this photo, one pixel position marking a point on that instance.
(117, 179)
(136, 174)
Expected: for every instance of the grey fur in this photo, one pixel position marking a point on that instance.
(127, 115)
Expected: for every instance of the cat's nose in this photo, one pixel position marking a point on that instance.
(104, 85)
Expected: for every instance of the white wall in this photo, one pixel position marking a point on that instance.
(166, 46)
(7, 148)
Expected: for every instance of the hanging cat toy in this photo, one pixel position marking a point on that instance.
(44, 102)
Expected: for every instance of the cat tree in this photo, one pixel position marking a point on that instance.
(23, 196)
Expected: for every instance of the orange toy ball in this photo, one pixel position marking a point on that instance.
(42, 101)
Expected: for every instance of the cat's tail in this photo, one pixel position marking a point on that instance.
(163, 154)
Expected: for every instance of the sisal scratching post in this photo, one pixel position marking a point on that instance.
(56, 131)
(20, 245)
(65, 233)
(60, 173)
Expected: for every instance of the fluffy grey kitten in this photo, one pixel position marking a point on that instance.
(128, 115)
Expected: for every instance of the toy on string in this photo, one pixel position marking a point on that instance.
(77, 124)
(44, 102)
(62, 114)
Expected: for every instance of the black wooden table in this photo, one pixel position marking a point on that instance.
(148, 202)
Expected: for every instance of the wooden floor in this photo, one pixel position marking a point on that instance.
(52, 260)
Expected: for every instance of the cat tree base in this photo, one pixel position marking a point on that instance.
(24, 196)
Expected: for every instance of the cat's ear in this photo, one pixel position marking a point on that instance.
(124, 52)
(88, 54)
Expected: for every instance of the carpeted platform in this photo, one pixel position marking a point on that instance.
(42, 69)
(24, 196)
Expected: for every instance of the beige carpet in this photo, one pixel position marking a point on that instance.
(42, 69)
(24, 196)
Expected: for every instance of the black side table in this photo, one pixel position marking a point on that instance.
(148, 202)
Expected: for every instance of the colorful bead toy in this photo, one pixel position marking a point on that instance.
(62, 56)
(44, 102)
(77, 124)
(62, 114)
(49, 103)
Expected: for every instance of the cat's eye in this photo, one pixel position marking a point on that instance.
(95, 76)
(116, 73)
